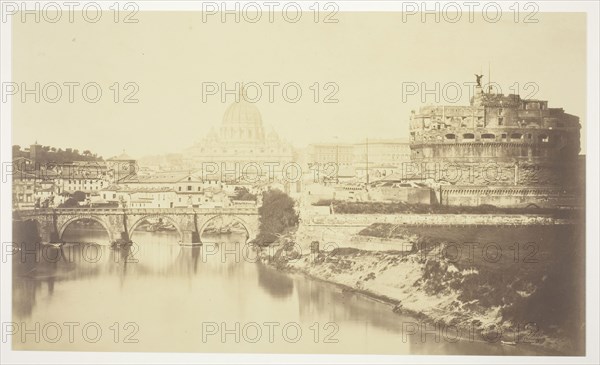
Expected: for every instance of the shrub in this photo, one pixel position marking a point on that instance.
(276, 216)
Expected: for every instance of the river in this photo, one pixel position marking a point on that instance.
(215, 298)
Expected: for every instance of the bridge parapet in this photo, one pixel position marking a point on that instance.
(135, 211)
(122, 222)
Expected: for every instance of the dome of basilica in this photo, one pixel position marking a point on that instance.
(241, 138)
(242, 112)
(242, 122)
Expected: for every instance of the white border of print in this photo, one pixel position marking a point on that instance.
(8, 356)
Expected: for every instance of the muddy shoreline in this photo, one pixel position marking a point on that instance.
(544, 345)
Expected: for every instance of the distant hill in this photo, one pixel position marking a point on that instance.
(47, 154)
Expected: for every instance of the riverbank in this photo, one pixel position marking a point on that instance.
(499, 301)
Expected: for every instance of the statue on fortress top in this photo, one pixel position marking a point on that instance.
(479, 77)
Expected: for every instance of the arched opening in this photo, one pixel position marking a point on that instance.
(450, 136)
(468, 136)
(488, 136)
(155, 229)
(85, 230)
(223, 229)
(156, 241)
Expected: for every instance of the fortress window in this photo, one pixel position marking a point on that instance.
(450, 136)
(488, 136)
(500, 121)
(516, 136)
(504, 136)
(499, 111)
(468, 136)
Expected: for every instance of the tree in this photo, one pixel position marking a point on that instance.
(69, 203)
(18, 152)
(48, 202)
(242, 193)
(79, 196)
(48, 154)
(276, 216)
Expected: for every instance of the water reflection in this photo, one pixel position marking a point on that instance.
(203, 299)
(274, 283)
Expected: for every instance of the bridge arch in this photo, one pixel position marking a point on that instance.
(63, 227)
(133, 227)
(247, 226)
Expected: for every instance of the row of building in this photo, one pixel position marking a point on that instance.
(500, 150)
(36, 181)
(380, 157)
(115, 182)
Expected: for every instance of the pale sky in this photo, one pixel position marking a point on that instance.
(369, 55)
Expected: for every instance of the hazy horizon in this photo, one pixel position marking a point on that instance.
(368, 55)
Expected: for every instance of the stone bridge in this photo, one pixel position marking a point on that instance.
(121, 223)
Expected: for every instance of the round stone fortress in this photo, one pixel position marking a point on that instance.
(500, 150)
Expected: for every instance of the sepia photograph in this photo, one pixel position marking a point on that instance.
(299, 182)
